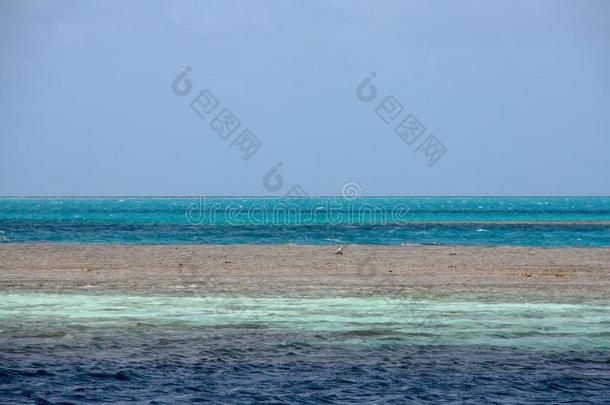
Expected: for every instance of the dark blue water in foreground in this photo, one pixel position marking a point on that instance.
(89, 348)
(239, 368)
(389, 221)
(322, 347)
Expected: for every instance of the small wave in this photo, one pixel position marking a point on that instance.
(116, 308)
(41, 335)
(123, 375)
(368, 333)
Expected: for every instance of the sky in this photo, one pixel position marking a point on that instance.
(509, 97)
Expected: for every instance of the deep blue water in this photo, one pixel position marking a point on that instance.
(90, 348)
(393, 221)
(290, 369)
(317, 347)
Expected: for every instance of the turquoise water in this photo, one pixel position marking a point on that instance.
(393, 221)
(322, 346)
(91, 347)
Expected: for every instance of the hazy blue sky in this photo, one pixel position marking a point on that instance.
(517, 91)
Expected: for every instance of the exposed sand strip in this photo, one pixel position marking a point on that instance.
(284, 268)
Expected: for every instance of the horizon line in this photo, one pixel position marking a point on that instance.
(305, 197)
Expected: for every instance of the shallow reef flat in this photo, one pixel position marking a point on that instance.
(564, 273)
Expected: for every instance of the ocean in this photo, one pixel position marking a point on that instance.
(317, 346)
(539, 221)
(419, 348)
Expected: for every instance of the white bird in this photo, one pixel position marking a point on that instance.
(339, 251)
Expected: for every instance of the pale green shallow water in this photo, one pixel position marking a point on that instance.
(75, 347)
(412, 321)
